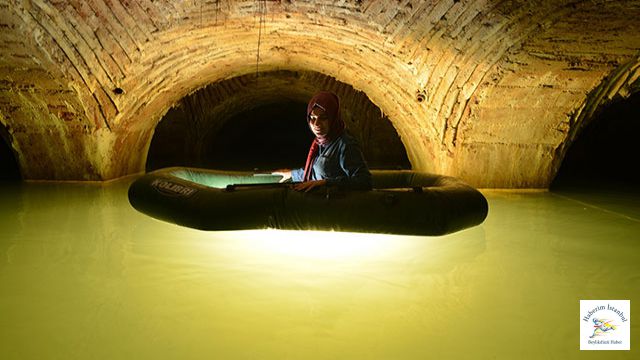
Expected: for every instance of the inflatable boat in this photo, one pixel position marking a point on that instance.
(401, 202)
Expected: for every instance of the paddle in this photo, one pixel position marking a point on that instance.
(233, 187)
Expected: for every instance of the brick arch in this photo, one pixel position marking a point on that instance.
(86, 82)
(620, 84)
(198, 118)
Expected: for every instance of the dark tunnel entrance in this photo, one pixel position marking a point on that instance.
(605, 155)
(9, 168)
(244, 124)
(267, 137)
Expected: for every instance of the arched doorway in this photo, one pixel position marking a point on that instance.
(249, 123)
(9, 168)
(606, 152)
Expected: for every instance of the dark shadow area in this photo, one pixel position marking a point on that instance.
(264, 138)
(9, 168)
(607, 151)
(174, 142)
(601, 167)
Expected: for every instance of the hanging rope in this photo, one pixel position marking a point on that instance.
(217, 10)
(262, 11)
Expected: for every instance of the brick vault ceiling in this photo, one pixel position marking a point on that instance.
(491, 91)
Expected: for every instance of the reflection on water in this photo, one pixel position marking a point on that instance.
(84, 276)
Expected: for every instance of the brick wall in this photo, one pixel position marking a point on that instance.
(491, 91)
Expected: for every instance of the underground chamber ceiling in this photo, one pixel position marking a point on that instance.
(492, 92)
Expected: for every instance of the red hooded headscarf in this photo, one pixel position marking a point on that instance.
(331, 105)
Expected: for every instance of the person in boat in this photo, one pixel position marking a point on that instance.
(334, 158)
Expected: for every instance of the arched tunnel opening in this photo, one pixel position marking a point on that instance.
(259, 124)
(605, 154)
(9, 168)
(272, 136)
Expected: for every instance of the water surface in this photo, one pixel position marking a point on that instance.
(84, 276)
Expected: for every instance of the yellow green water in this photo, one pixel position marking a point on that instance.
(84, 276)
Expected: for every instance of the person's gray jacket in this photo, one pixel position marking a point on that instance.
(341, 163)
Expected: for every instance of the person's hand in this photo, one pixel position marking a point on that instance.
(285, 173)
(309, 185)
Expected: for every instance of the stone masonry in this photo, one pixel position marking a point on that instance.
(493, 92)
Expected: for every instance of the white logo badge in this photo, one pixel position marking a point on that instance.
(605, 324)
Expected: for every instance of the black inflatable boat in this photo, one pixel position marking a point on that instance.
(401, 202)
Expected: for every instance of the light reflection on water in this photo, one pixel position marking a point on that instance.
(83, 275)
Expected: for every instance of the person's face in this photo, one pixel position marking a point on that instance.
(319, 122)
